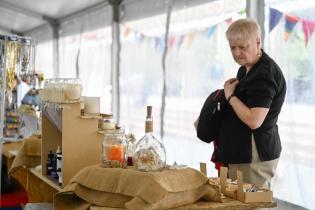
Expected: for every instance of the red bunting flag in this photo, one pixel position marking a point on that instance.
(229, 21)
(127, 31)
(308, 29)
(290, 22)
(171, 41)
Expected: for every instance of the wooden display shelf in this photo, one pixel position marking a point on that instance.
(81, 145)
(96, 116)
(45, 179)
(40, 188)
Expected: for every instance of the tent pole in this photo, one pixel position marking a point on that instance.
(256, 9)
(55, 26)
(115, 58)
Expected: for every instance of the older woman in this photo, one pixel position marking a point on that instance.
(249, 138)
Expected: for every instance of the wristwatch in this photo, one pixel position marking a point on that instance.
(229, 98)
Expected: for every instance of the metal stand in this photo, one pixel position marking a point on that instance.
(3, 84)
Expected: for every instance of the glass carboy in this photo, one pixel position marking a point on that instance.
(149, 153)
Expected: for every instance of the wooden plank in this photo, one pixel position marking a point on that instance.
(51, 138)
(81, 144)
(228, 204)
(49, 181)
(38, 188)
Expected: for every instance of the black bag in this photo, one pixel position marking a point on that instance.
(210, 116)
(6, 184)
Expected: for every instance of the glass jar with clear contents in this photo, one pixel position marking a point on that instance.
(114, 149)
(106, 122)
(73, 89)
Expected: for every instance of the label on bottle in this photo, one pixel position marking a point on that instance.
(59, 161)
(148, 126)
(60, 180)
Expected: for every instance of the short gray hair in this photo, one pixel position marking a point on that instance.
(243, 29)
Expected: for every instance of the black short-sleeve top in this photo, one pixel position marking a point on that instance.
(263, 86)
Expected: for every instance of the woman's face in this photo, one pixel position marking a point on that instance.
(245, 52)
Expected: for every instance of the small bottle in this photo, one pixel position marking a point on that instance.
(59, 165)
(130, 149)
(149, 154)
(50, 166)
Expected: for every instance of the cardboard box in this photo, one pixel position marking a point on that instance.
(241, 191)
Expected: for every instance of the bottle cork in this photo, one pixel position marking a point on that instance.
(149, 111)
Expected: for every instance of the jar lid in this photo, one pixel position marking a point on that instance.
(106, 115)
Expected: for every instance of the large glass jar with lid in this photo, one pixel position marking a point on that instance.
(114, 149)
(149, 153)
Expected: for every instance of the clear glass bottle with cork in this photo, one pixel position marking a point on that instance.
(149, 153)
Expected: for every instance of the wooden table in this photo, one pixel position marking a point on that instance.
(42, 189)
(228, 204)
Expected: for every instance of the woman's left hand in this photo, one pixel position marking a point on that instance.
(229, 87)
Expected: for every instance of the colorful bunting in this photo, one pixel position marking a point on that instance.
(229, 21)
(180, 41)
(127, 31)
(308, 29)
(211, 31)
(171, 41)
(274, 18)
(159, 43)
(290, 22)
(190, 38)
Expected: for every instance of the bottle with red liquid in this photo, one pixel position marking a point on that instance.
(130, 149)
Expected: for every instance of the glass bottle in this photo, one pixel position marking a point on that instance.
(114, 149)
(149, 154)
(130, 149)
(107, 122)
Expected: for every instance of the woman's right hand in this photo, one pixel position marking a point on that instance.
(229, 87)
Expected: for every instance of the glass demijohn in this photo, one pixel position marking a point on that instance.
(149, 154)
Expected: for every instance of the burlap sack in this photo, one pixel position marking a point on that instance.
(140, 190)
(29, 155)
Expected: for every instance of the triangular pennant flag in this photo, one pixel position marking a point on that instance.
(274, 18)
(171, 41)
(211, 31)
(139, 36)
(180, 41)
(191, 37)
(127, 31)
(159, 43)
(290, 22)
(308, 29)
(229, 21)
